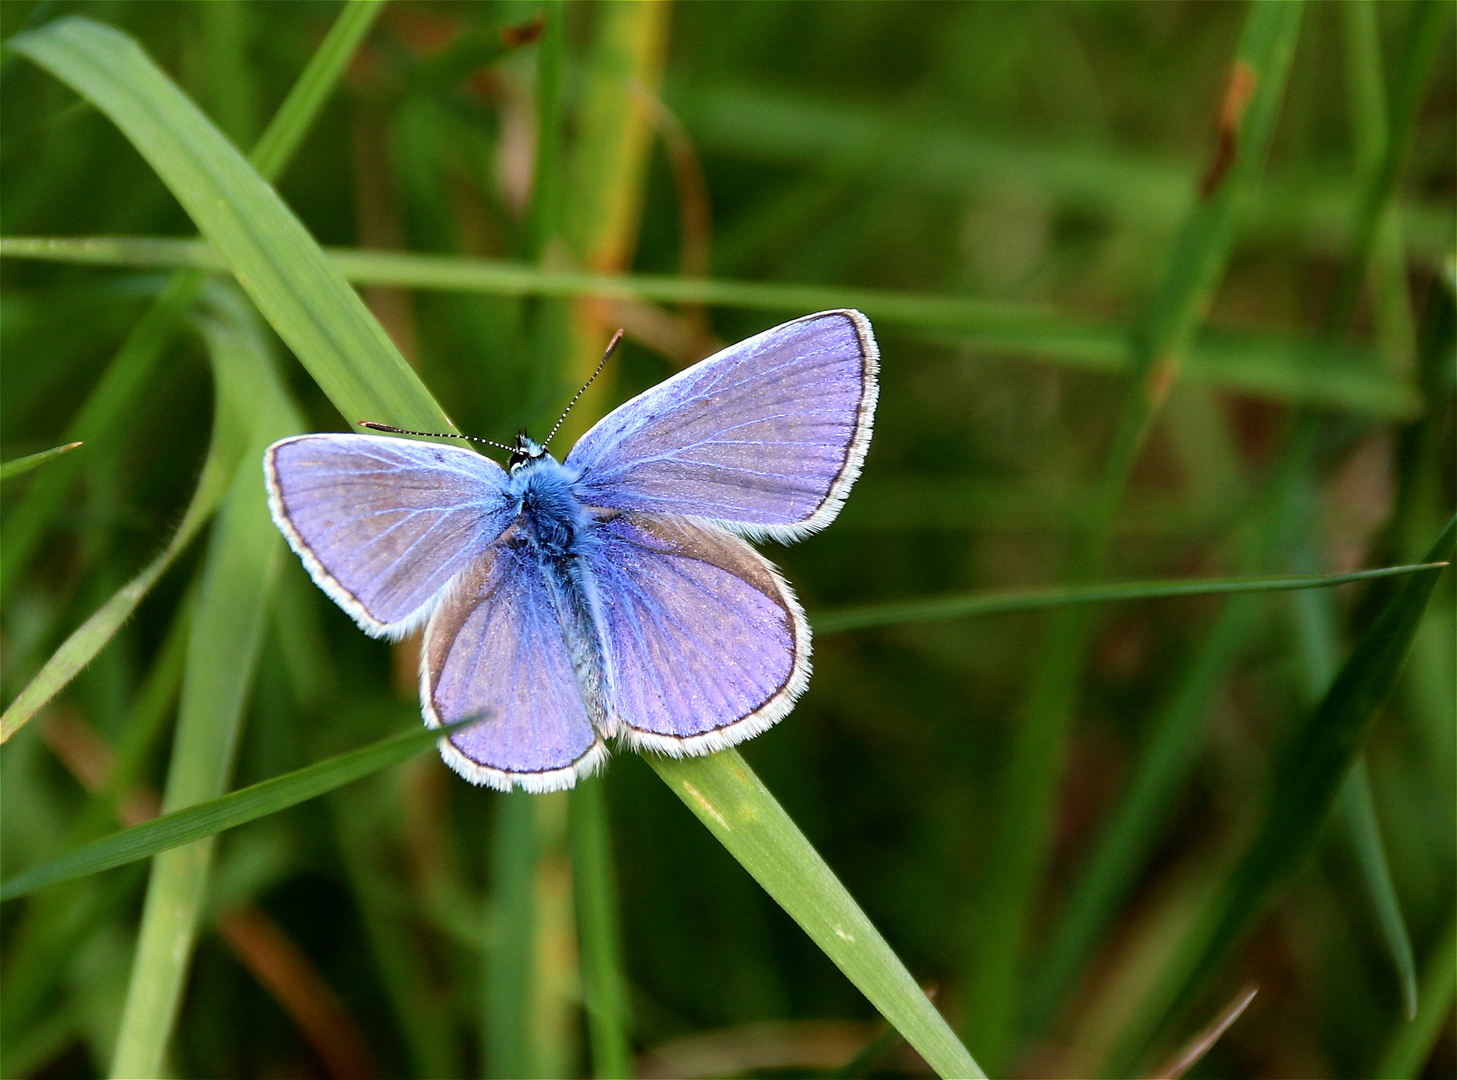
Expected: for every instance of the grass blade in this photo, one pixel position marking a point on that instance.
(238, 383)
(604, 989)
(1358, 810)
(508, 991)
(984, 603)
(1412, 1042)
(23, 465)
(1305, 780)
(275, 148)
(1262, 364)
(107, 407)
(1021, 845)
(1191, 1052)
(239, 807)
(1424, 36)
(738, 809)
(244, 553)
(270, 253)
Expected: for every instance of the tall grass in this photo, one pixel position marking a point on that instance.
(1165, 296)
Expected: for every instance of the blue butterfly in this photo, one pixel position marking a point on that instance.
(610, 594)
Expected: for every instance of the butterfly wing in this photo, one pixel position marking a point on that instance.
(382, 524)
(766, 436)
(705, 644)
(495, 648)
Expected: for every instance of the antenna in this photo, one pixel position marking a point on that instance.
(611, 347)
(433, 434)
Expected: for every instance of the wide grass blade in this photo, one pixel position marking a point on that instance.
(1282, 368)
(1305, 779)
(228, 812)
(18, 466)
(273, 257)
(738, 809)
(982, 603)
(244, 554)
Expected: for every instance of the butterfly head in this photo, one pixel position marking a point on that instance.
(526, 451)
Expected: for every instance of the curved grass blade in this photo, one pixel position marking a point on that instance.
(1305, 781)
(23, 465)
(127, 376)
(228, 812)
(273, 257)
(738, 809)
(991, 603)
(1411, 1043)
(1195, 1049)
(239, 383)
(1262, 364)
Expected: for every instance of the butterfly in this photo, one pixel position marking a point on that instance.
(612, 594)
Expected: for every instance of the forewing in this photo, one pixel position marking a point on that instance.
(495, 648)
(705, 644)
(766, 436)
(382, 524)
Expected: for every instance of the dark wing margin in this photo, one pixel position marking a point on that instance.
(765, 437)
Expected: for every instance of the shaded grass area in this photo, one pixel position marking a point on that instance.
(1005, 189)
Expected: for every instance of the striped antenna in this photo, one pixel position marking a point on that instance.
(611, 346)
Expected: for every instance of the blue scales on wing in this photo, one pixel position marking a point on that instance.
(383, 524)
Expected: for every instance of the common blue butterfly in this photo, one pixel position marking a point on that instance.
(611, 594)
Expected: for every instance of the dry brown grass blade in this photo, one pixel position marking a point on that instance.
(1191, 1052)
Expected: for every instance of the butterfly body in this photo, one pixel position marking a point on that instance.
(550, 507)
(610, 594)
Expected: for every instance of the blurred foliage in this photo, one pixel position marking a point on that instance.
(1037, 157)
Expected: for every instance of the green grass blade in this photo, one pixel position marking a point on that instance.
(209, 818)
(828, 138)
(238, 382)
(984, 603)
(112, 402)
(604, 989)
(23, 465)
(1357, 808)
(508, 991)
(1022, 842)
(100, 421)
(275, 149)
(1282, 368)
(1423, 37)
(1411, 1044)
(420, 1010)
(273, 257)
(1134, 824)
(244, 554)
(738, 809)
(1305, 780)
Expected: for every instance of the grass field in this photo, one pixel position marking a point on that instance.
(1094, 742)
